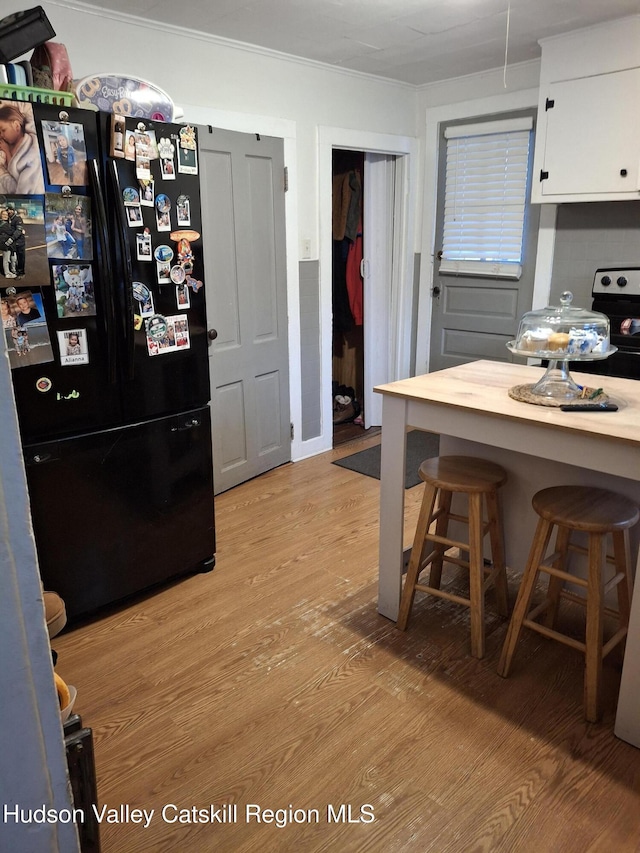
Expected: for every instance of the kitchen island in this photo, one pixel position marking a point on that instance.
(470, 408)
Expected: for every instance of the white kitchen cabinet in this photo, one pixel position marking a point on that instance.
(587, 144)
(591, 138)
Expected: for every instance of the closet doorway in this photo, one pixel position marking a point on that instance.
(364, 211)
(347, 295)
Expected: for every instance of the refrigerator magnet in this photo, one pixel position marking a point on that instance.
(147, 194)
(118, 131)
(134, 215)
(194, 283)
(66, 152)
(182, 297)
(183, 211)
(163, 253)
(143, 168)
(156, 327)
(163, 203)
(163, 270)
(74, 291)
(147, 308)
(163, 222)
(163, 206)
(166, 150)
(130, 195)
(181, 329)
(143, 245)
(167, 169)
(73, 347)
(25, 219)
(25, 174)
(187, 151)
(178, 275)
(140, 291)
(130, 147)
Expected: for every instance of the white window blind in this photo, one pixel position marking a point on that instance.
(485, 198)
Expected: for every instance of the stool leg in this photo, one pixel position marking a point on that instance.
(497, 553)
(476, 575)
(595, 613)
(556, 584)
(525, 593)
(417, 556)
(622, 560)
(442, 528)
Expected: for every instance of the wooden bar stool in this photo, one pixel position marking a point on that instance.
(477, 479)
(597, 512)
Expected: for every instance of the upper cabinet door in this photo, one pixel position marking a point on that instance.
(588, 144)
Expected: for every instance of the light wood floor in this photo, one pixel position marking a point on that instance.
(273, 681)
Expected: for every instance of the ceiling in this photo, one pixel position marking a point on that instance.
(414, 41)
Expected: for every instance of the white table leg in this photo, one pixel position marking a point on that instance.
(392, 475)
(627, 725)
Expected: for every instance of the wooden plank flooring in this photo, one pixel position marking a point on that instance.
(273, 681)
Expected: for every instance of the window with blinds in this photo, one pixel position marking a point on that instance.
(485, 198)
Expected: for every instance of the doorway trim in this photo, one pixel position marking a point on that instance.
(405, 149)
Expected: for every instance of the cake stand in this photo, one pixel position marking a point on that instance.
(557, 386)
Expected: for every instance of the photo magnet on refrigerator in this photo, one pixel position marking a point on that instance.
(118, 131)
(20, 166)
(187, 151)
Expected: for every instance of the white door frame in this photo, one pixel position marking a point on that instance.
(406, 149)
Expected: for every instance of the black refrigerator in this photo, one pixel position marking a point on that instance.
(103, 304)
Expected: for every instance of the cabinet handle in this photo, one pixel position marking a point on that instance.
(623, 173)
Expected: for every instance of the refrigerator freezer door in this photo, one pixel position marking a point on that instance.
(55, 400)
(119, 511)
(165, 366)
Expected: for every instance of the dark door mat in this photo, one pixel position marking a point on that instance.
(420, 446)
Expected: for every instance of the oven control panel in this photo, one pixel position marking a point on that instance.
(612, 281)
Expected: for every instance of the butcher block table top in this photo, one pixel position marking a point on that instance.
(482, 387)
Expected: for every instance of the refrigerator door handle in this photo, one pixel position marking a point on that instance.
(105, 266)
(125, 253)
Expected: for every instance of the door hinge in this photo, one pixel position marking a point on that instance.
(549, 104)
(286, 178)
(291, 425)
(543, 175)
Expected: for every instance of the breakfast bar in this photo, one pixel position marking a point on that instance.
(470, 408)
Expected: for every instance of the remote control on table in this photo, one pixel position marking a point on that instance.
(590, 407)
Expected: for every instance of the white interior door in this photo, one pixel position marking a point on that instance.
(244, 225)
(378, 277)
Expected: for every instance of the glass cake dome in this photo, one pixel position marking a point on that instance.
(560, 334)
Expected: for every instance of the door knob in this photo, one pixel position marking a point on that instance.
(212, 334)
(435, 290)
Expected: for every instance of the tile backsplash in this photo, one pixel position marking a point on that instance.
(589, 236)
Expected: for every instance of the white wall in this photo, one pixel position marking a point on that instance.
(228, 78)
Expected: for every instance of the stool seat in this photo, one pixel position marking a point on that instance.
(478, 480)
(600, 514)
(586, 508)
(465, 474)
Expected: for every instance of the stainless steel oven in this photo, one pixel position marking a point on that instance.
(616, 293)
